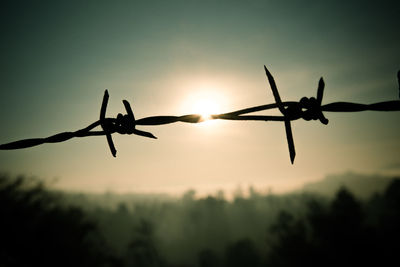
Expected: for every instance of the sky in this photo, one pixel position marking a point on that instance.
(175, 57)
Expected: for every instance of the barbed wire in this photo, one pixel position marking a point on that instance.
(307, 109)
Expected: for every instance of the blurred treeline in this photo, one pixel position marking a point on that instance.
(40, 227)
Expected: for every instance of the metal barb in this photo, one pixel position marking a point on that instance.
(283, 110)
(398, 80)
(106, 125)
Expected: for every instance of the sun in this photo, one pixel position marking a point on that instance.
(205, 99)
(206, 107)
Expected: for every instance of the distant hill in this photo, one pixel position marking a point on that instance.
(361, 185)
(112, 200)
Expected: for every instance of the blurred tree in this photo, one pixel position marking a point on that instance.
(208, 258)
(189, 196)
(141, 251)
(242, 253)
(327, 236)
(389, 223)
(37, 230)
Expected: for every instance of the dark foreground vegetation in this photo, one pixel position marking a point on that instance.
(39, 228)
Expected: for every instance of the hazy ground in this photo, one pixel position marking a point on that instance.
(46, 228)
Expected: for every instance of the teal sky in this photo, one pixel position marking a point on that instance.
(57, 57)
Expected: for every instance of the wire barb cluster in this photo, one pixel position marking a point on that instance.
(306, 109)
(123, 124)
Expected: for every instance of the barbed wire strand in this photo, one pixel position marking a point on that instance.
(307, 109)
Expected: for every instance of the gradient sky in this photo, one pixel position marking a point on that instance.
(57, 57)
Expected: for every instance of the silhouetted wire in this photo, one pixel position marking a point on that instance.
(307, 109)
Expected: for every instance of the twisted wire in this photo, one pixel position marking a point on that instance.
(306, 109)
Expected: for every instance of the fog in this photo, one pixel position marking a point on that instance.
(43, 227)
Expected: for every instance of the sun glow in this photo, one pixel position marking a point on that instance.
(206, 107)
(205, 102)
